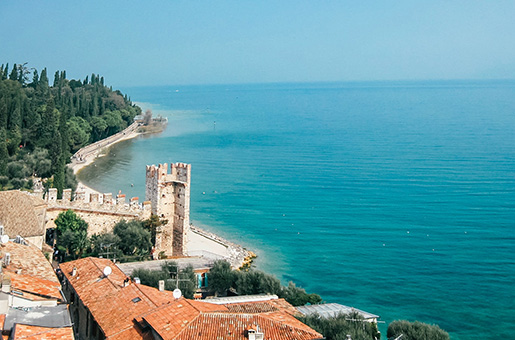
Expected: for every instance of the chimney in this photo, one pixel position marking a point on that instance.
(6, 285)
(253, 333)
(137, 280)
(161, 285)
(7, 259)
(74, 271)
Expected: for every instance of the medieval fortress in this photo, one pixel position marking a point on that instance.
(167, 195)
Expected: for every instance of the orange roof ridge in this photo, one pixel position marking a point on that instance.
(102, 271)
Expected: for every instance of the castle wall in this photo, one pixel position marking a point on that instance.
(167, 194)
(98, 220)
(98, 210)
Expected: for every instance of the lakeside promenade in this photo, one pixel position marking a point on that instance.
(86, 155)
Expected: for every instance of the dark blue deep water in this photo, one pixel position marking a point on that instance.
(395, 198)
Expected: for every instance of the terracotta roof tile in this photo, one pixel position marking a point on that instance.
(120, 311)
(29, 260)
(251, 308)
(230, 326)
(22, 214)
(89, 282)
(196, 320)
(113, 306)
(35, 285)
(41, 333)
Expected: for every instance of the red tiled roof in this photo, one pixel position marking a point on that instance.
(252, 308)
(41, 333)
(29, 260)
(122, 311)
(30, 284)
(230, 326)
(196, 320)
(89, 282)
(113, 306)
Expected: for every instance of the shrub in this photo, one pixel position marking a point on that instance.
(416, 331)
(337, 327)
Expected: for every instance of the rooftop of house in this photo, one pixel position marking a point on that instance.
(184, 319)
(332, 309)
(31, 274)
(112, 305)
(133, 311)
(41, 333)
(27, 260)
(48, 317)
(20, 213)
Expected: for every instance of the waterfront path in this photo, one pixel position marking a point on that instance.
(87, 154)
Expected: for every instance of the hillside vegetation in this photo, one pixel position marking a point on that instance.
(42, 125)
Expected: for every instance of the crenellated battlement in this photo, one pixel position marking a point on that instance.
(97, 202)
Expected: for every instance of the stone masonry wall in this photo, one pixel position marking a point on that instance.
(100, 211)
(169, 194)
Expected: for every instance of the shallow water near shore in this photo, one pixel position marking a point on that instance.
(397, 198)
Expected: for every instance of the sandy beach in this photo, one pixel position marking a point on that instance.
(95, 151)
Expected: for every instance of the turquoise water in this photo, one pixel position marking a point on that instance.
(395, 198)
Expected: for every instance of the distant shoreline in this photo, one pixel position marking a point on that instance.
(96, 150)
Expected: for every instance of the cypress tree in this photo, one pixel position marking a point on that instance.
(56, 78)
(4, 155)
(43, 80)
(14, 73)
(35, 78)
(6, 71)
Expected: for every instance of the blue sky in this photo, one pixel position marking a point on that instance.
(210, 42)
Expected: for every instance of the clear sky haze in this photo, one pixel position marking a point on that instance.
(134, 43)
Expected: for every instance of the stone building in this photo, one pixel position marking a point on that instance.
(169, 194)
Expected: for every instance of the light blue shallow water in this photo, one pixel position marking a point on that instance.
(395, 198)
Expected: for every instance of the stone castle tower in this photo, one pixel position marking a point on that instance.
(169, 194)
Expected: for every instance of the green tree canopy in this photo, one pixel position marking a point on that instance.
(72, 233)
(415, 331)
(168, 273)
(61, 119)
(341, 325)
(134, 239)
(221, 277)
